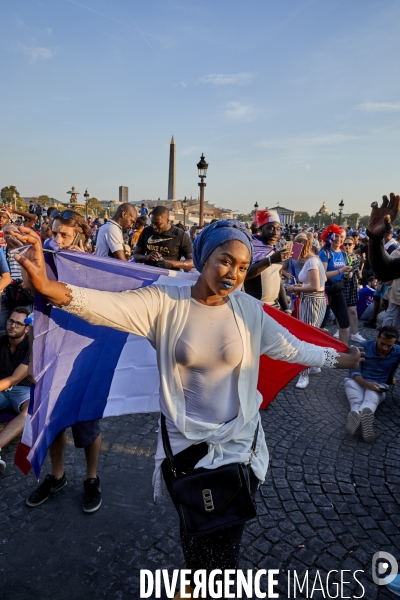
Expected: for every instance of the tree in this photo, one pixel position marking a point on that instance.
(353, 219)
(7, 194)
(324, 220)
(363, 222)
(94, 207)
(44, 199)
(302, 217)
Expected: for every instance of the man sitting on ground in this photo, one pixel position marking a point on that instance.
(14, 382)
(366, 386)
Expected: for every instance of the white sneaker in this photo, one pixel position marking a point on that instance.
(336, 334)
(357, 337)
(314, 370)
(302, 382)
(2, 465)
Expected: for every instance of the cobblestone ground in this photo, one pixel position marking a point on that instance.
(330, 501)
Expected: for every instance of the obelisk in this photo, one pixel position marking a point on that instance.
(172, 171)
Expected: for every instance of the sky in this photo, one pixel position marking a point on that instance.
(294, 102)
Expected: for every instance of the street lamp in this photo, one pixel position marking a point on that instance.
(86, 196)
(202, 167)
(15, 200)
(341, 205)
(255, 209)
(333, 217)
(319, 215)
(185, 204)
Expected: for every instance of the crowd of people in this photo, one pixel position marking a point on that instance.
(218, 338)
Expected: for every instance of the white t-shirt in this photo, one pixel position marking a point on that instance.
(109, 239)
(313, 263)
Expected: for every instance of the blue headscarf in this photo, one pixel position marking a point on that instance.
(215, 235)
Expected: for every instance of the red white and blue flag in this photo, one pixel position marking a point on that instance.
(86, 372)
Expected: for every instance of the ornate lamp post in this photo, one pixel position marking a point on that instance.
(185, 204)
(202, 167)
(333, 217)
(319, 215)
(255, 209)
(86, 196)
(341, 205)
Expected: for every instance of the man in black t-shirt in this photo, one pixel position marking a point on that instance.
(163, 245)
(14, 382)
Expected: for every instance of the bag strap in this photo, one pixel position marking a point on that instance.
(168, 449)
(327, 253)
(167, 445)
(254, 444)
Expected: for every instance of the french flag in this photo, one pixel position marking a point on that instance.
(86, 372)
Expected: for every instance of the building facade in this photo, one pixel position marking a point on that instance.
(123, 193)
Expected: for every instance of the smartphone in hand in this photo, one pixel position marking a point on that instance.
(296, 250)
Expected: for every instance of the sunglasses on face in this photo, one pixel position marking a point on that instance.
(348, 244)
(65, 216)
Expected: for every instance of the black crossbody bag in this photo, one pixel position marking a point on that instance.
(211, 499)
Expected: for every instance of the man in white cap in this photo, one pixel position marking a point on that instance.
(263, 280)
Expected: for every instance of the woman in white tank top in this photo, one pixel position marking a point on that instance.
(311, 288)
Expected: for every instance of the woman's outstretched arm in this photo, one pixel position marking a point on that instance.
(279, 344)
(134, 311)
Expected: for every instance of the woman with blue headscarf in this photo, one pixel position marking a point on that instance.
(208, 344)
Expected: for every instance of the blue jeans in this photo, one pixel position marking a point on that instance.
(14, 396)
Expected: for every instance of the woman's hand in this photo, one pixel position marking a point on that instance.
(291, 290)
(381, 217)
(351, 358)
(32, 260)
(78, 247)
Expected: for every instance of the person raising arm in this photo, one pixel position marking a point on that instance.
(384, 267)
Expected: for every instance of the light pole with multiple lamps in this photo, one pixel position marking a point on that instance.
(86, 196)
(202, 167)
(341, 206)
(185, 204)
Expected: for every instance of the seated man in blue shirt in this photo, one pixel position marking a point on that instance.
(366, 386)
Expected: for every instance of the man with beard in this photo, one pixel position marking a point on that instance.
(366, 386)
(263, 280)
(163, 245)
(14, 382)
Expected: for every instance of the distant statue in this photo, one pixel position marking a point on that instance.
(324, 209)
